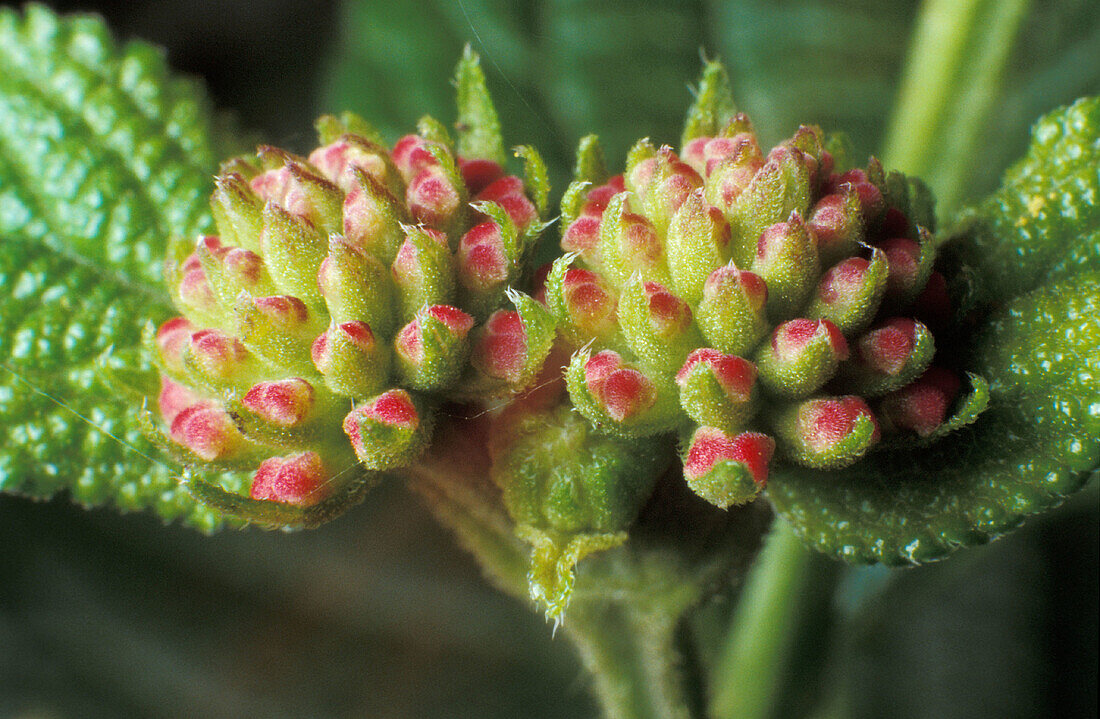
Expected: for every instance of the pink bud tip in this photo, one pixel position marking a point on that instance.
(843, 279)
(870, 197)
(243, 265)
(172, 337)
(728, 276)
(824, 423)
(337, 161)
(478, 174)
(886, 349)
(776, 239)
(597, 198)
(481, 258)
(206, 429)
(735, 374)
(411, 156)
(502, 349)
(622, 391)
(410, 340)
(283, 310)
(791, 338)
(431, 198)
(174, 398)
(922, 406)
(217, 352)
(710, 445)
(903, 258)
(590, 303)
(195, 290)
(358, 333)
(298, 479)
(639, 242)
(582, 235)
(393, 407)
(284, 402)
(668, 314)
(508, 193)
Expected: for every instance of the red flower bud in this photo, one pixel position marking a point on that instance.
(298, 479)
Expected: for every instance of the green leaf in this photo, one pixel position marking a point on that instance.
(1037, 444)
(103, 156)
(1034, 246)
(1044, 222)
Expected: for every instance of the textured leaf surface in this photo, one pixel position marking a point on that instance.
(103, 156)
(1044, 222)
(1040, 439)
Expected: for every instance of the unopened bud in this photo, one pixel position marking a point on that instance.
(350, 359)
(717, 389)
(732, 313)
(727, 470)
(786, 260)
(431, 348)
(888, 357)
(207, 430)
(387, 431)
(850, 292)
(827, 432)
(285, 403)
(299, 479)
(802, 356)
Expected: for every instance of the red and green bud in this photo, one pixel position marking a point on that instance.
(432, 347)
(802, 356)
(657, 324)
(277, 329)
(910, 264)
(423, 270)
(850, 292)
(697, 244)
(387, 431)
(629, 244)
(786, 260)
(871, 203)
(732, 314)
(293, 250)
(298, 479)
(583, 302)
(341, 161)
(373, 219)
(232, 270)
(511, 346)
(508, 193)
(921, 406)
(174, 398)
(301, 193)
(718, 389)
(618, 396)
(238, 212)
(285, 403)
(350, 359)
(888, 357)
(215, 359)
(826, 432)
(836, 224)
(207, 430)
(727, 470)
(357, 287)
(778, 189)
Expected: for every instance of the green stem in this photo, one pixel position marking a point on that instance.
(750, 666)
(632, 656)
(952, 76)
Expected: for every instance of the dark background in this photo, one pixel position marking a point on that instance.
(377, 614)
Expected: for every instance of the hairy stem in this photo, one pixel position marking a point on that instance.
(632, 656)
(952, 77)
(749, 669)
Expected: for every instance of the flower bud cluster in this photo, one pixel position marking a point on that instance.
(345, 295)
(756, 302)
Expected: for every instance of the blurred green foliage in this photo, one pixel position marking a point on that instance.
(377, 614)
